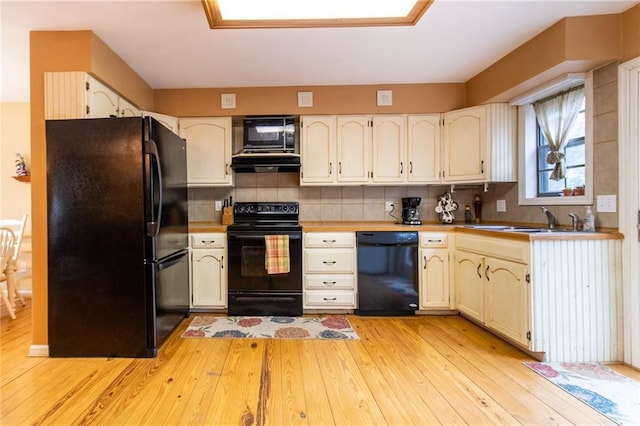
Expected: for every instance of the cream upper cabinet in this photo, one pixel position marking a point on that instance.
(389, 148)
(127, 109)
(208, 150)
(318, 150)
(101, 100)
(423, 148)
(76, 94)
(479, 144)
(353, 149)
(167, 121)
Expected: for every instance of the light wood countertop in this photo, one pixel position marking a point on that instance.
(354, 226)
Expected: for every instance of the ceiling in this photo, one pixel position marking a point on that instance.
(169, 43)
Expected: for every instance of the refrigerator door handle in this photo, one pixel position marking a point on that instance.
(153, 227)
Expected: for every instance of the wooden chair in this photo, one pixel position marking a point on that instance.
(17, 226)
(7, 247)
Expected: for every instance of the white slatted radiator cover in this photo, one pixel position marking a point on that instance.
(577, 300)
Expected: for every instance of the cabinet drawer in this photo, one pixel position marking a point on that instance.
(209, 240)
(329, 261)
(516, 251)
(339, 299)
(433, 239)
(329, 239)
(328, 282)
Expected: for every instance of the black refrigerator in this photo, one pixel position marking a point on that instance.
(118, 270)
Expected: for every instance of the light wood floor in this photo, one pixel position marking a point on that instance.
(413, 370)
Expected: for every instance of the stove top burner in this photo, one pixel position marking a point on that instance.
(265, 214)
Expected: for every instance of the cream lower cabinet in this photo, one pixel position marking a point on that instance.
(208, 271)
(492, 285)
(433, 271)
(209, 147)
(329, 265)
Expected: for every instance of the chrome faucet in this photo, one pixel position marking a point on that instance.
(551, 219)
(574, 221)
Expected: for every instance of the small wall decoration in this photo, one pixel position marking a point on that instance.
(21, 167)
(445, 208)
(305, 99)
(228, 101)
(385, 98)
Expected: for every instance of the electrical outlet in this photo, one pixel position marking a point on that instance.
(23, 266)
(501, 206)
(606, 203)
(218, 206)
(388, 206)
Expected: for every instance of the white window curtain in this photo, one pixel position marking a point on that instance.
(556, 116)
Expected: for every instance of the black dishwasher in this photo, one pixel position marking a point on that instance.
(387, 273)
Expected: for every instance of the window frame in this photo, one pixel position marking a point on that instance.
(527, 145)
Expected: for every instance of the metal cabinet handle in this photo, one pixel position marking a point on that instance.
(328, 282)
(482, 166)
(330, 167)
(329, 241)
(401, 168)
(425, 263)
(478, 270)
(208, 241)
(340, 167)
(434, 241)
(329, 299)
(329, 262)
(222, 262)
(485, 273)
(410, 167)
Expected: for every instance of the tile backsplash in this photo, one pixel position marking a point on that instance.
(326, 203)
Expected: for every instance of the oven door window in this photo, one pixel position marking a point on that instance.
(252, 263)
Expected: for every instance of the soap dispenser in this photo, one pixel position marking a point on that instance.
(588, 224)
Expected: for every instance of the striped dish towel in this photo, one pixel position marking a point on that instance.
(276, 254)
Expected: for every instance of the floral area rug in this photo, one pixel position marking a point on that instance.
(614, 395)
(271, 327)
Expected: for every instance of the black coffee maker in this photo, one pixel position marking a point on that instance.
(410, 214)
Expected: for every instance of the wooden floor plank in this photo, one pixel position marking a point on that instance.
(490, 350)
(407, 370)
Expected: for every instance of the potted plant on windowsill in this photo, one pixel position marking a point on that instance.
(567, 192)
(578, 190)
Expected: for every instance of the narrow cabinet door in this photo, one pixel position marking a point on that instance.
(508, 299)
(209, 278)
(434, 278)
(354, 146)
(208, 150)
(317, 148)
(423, 148)
(101, 100)
(389, 149)
(464, 145)
(469, 273)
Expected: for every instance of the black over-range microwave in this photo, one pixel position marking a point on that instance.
(270, 134)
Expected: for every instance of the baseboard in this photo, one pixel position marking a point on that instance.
(38, 350)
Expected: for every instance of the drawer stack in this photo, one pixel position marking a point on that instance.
(329, 266)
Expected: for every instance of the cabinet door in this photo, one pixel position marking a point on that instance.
(508, 299)
(389, 149)
(167, 121)
(423, 148)
(127, 109)
(208, 150)
(208, 278)
(101, 100)
(469, 270)
(434, 278)
(318, 146)
(354, 146)
(464, 145)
